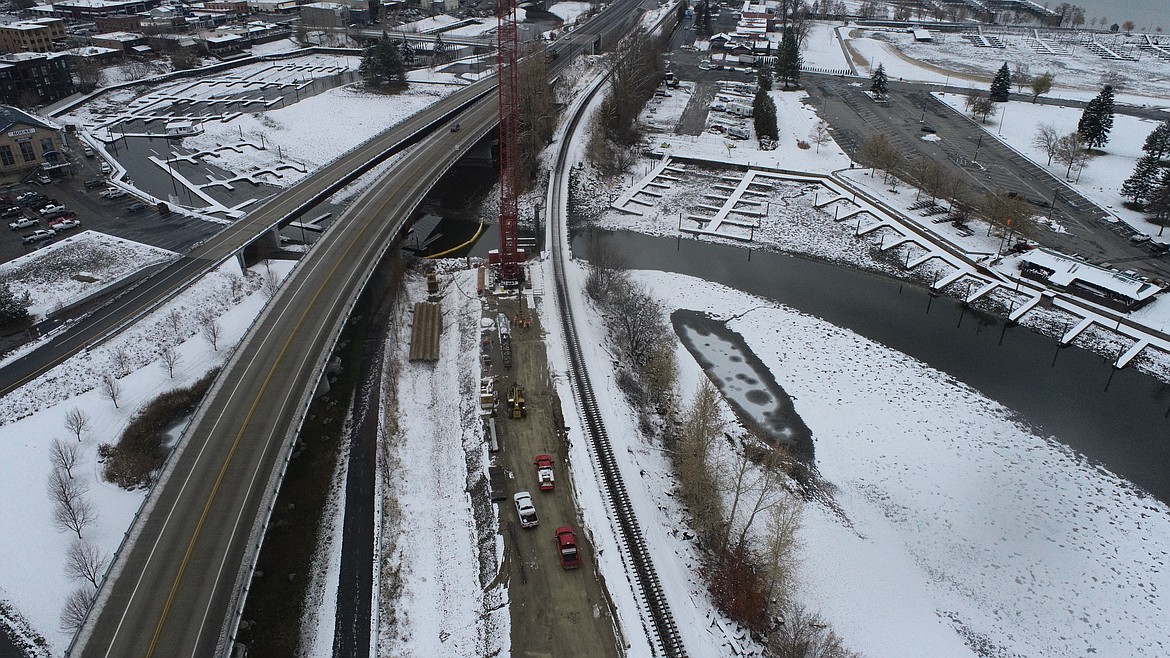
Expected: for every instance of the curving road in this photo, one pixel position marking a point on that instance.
(174, 587)
(179, 576)
(164, 283)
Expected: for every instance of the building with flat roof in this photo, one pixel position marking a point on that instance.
(28, 79)
(32, 36)
(92, 9)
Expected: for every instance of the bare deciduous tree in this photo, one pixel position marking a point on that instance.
(880, 153)
(1047, 138)
(702, 425)
(806, 635)
(980, 106)
(77, 422)
(606, 265)
(71, 510)
(820, 135)
(211, 331)
(236, 286)
(174, 318)
(639, 322)
(85, 562)
(120, 361)
(111, 388)
(271, 285)
(169, 357)
(64, 455)
(1072, 151)
(77, 606)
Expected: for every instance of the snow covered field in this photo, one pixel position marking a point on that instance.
(965, 533)
(32, 575)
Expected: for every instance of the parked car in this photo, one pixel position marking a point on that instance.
(567, 548)
(137, 206)
(68, 214)
(112, 193)
(23, 198)
(525, 510)
(91, 183)
(106, 168)
(1139, 238)
(44, 179)
(65, 223)
(51, 206)
(36, 201)
(39, 235)
(23, 222)
(544, 473)
(88, 151)
(11, 212)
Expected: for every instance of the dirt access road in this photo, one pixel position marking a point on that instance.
(554, 612)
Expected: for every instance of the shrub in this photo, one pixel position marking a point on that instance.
(139, 453)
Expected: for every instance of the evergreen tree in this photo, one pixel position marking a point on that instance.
(407, 51)
(1141, 183)
(1159, 202)
(1158, 141)
(1097, 119)
(1001, 86)
(764, 115)
(877, 82)
(764, 75)
(382, 63)
(441, 53)
(788, 61)
(13, 308)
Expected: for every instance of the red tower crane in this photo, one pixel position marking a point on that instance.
(511, 257)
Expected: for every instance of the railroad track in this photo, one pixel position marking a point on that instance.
(665, 639)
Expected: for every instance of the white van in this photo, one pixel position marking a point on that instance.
(739, 132)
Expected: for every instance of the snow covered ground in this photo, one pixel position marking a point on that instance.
(957, 61)
(76, 267)
(569, 12)
(32, 575)
(964, 533)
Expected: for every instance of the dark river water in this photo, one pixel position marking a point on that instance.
(1120, 418)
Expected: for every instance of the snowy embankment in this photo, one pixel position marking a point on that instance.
(431, 569)
(76, 267)
(963, 530)
(33, 574)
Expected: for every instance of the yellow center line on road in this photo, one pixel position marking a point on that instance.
(239, 436)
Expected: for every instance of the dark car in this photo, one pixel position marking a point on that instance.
(928, 129)
(11, 212)
(137, 206)
(35, 201)
(94, 182)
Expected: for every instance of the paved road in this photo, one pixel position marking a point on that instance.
(988, 164)
(172, 589)
(179, 577)
(297, 199)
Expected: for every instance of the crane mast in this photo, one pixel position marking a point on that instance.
(511, 257)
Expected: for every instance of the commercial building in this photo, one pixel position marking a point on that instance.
(32, 36)
(26, 142)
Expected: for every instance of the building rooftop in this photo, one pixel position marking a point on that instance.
(1067, 269)
(10, 116)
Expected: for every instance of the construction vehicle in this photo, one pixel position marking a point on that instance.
(516, 406)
